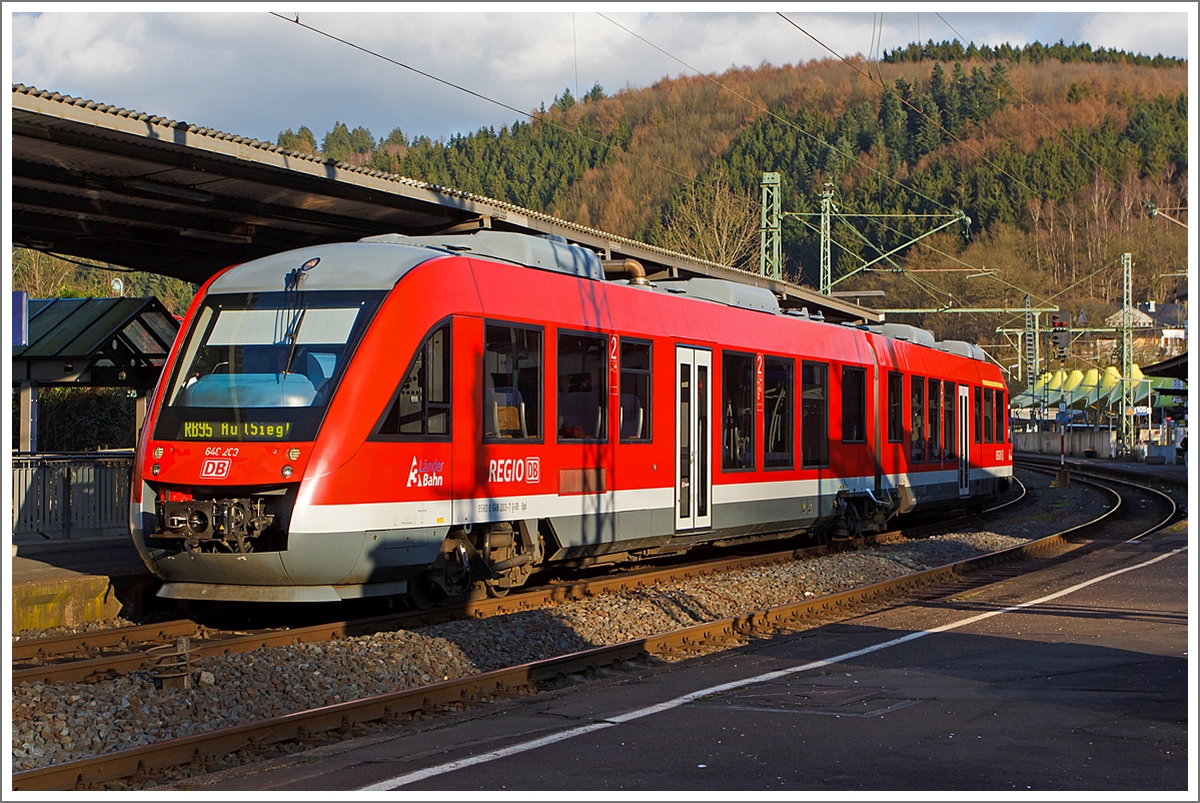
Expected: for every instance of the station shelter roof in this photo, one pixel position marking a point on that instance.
(95, 342)
(1175, 367)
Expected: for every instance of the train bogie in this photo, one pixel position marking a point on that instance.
(374, 417)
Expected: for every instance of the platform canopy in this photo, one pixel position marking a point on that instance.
(95, 342)
(1175, 367)
(159, 195)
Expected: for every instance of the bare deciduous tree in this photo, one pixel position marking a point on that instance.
(714, 222)
(39, 275)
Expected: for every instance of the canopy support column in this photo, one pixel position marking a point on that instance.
(29, 399)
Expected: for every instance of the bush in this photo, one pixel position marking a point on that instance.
(81, 419)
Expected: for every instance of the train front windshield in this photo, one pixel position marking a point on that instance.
(262, 366)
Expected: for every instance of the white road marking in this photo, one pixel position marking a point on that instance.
(442, 769)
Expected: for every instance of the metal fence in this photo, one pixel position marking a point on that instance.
(70, 497)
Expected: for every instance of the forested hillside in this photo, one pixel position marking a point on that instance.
(1051, 150)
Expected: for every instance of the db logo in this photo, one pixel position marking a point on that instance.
(215, 469)
(526, 470)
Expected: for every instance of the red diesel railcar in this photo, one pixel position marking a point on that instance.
(420, 414)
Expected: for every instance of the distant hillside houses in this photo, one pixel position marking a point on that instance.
(1168, 322)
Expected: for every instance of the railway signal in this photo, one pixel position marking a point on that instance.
(1060, 335)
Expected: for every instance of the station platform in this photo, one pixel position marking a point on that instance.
(65, 584)
(1169, 475)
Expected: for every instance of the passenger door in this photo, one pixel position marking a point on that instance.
(693, 439)
(964, 440)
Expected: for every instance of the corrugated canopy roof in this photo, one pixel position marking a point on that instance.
(1175, 367)
(101, 342)
(145, 192)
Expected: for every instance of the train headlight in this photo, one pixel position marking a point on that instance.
(154, 469)
(293, 453)
(158, 452)
(197, 521)
(287, 472)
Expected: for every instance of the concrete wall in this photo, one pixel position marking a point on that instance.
(1153, 454)
(1102, 443)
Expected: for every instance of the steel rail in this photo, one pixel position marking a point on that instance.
(115, 637)
(204, 748)
(120, 663)
(124, 662)
(1107, 476)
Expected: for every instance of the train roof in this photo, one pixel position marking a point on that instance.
(377, 263)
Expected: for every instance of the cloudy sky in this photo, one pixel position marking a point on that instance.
(251, 73)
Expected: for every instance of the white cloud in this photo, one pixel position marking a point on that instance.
(1144, 32)
(254, 74)
(53, 47)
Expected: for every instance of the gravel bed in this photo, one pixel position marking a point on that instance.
(52, 723)
(70, 630)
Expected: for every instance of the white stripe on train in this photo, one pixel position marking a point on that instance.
(441, 513)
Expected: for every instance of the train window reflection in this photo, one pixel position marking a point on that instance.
(854, 405)
(512, 382)
(737, 402)
(895, 402)
(582, 387)
(1001, 416)
(264, 356)
(635, 391)
(778, 398)
(918, 419)
(935, 420)
(950, 435)
(979, 415)
(987, 415)
(814, 414)
(422, 404)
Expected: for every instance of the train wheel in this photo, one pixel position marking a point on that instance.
(419, 597)
(850, 523)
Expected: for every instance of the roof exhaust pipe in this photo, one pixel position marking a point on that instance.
(630, 267)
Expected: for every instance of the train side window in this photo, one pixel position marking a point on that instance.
(421, 406)
(582, 386)
(987, 415)
(636, 379)
(814, 414)
(918, 419)
(512, 382)
(979, 415)
(1001, 417)
(950, 439)
(738, 420)
(895, 410)
(854, 404)
(935, 421)
(779, 406)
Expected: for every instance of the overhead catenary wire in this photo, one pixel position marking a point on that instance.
(543, 120)
(1034, 106)
(894, 94)
(922, 114)
(778, 117)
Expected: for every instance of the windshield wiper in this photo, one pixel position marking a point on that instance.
(293, 334)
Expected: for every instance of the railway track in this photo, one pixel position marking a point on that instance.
(99, 655)
(1121, 521)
